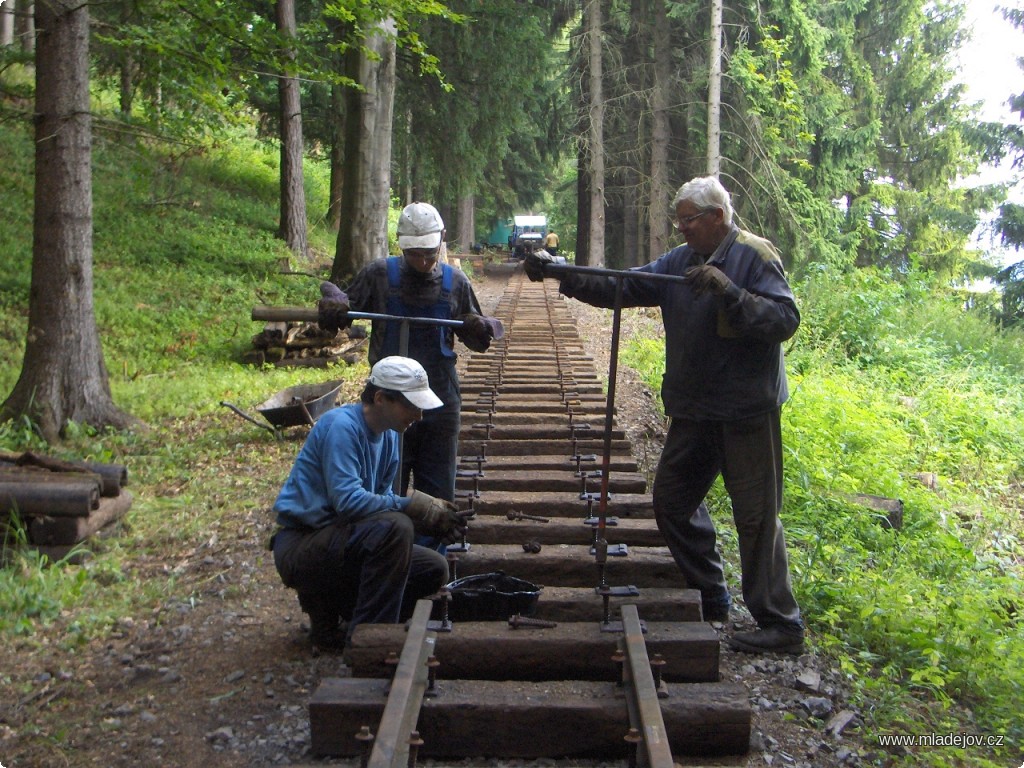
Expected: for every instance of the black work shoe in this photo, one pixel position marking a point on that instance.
(325, 634)
(770, 640)
(327, 641)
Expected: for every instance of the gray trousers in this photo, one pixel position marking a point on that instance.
(748, 455)
(367, 572)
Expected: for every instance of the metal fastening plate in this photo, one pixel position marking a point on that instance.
(614, 550)
(629, 590)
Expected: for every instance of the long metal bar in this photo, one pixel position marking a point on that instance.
(268, 313)
(553, 270)
(309, 315)
(391, 745)
(641, 684)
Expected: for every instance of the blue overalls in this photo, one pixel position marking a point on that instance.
(430, 447)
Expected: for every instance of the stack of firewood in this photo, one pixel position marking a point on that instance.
(59, 503)
(288, 343)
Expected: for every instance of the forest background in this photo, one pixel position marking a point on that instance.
(843, 134)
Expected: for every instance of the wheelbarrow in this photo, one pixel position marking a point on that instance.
(301, 404)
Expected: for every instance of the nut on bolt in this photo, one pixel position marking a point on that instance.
(531, 546)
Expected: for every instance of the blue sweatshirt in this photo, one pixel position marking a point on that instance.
(343, 473)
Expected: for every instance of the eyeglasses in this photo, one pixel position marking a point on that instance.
(679, 223)
(424, 255)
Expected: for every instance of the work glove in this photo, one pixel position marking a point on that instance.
(706, 278)
(332, 309)
(477, 331)
(535, 263)
(459, 531)
(434, 517)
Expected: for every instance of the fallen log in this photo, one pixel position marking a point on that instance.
(114, 476)
(57, 498)
(56, 531)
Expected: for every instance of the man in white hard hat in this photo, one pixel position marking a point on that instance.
(345, 541)
(415, 284)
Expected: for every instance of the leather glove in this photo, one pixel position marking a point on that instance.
(332, 309)
(535, 263)
(432, 516)
(460, 529)
(706, 278)
(477, 331)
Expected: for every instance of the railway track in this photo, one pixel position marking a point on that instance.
(615, 660)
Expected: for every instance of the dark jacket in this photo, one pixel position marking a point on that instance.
(369, 292)
(723, 354)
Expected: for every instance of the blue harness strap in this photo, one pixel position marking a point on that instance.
(423, 339)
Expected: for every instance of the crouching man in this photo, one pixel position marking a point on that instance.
(345, 539)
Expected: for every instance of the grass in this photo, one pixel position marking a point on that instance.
(890, 383)
(889, 380)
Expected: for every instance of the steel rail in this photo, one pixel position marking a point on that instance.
(391, 745)
(641, 694)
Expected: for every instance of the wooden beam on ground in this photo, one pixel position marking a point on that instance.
(583, 604)
(561, 504)
(492, 650)
(469, 718)
(573, 565)
(491, 529)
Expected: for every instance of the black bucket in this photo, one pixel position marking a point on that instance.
(491, 597)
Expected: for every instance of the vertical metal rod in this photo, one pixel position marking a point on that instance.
(613, 370)
(403, 350)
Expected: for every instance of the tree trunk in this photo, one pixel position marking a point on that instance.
(337, 181)
(592, 10)
(715, 91)
(338, 123)
(293, 195)
(63, 376)
(582, 208)
(363, 235)
(24, 25)
(661, 133)
(467, 223)
(632, 252)
(6, 23)
(409, 169)
(126, 84)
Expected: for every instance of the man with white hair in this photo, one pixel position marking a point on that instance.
(415, 284)
(724, 385)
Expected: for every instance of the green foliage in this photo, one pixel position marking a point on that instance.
(488, 129)
(34, 591)
(183, 249)
(893, 384)
(646, 356)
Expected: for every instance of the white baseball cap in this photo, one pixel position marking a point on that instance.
(419, 226)
(405, 375)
